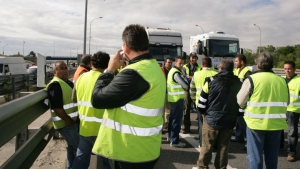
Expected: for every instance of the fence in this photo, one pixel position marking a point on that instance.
(11, 84)
(15, 116)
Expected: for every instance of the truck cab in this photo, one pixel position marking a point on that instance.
(164, 43)
(217, 45)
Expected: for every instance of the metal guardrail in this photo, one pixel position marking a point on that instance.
(17, 115)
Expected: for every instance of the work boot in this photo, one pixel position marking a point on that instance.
(186, 131)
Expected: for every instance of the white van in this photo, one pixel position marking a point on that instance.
(12, 66)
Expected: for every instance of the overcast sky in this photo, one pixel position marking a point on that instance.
(43, 23)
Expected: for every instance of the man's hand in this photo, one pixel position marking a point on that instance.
(115, 62)
(69, 122)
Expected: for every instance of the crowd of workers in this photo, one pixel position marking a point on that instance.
(120, 116)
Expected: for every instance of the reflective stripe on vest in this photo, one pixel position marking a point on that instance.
(56, 118)
(267, 104)
(142, 111)
(294, 96)
(83, 103)
(265, 116)
(137, 131)
(241, 110)
(90, 119)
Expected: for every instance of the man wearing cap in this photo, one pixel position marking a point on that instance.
(188, 71)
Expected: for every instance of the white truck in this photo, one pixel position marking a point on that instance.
(164, 43)
(217, 45)
(12, 66)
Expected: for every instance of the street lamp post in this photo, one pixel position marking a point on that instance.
(259, 37)
(3, 48)
(91, 33)
(54, 49)
(23, 48)
(201, 28)
(77, 49)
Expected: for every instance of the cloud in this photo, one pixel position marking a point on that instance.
(40, 23)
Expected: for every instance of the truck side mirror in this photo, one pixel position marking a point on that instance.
(241, 50)
(184, 55)
(199, 49)
(205, 51)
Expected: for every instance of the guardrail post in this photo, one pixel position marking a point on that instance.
(13, 88)
(27, 82)
(21, 137)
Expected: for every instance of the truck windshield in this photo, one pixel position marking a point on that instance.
(161, 52)
(222, 48)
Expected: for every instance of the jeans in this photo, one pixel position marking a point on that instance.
(240, 130)
(83, 154)
(187, 112)
(211, 137)
(261, 142)
(71, 135)
(292, 119)
(175, 120)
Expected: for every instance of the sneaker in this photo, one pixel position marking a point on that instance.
(180, 144)
(168, 139)
(290, 158)
(195, 168)
(199, 146)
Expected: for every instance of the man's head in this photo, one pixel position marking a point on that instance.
(86, 60)
(206, 62)
(100, 60)
(179, 62)
(289, 68)
(240, 61)
(226, 64)
(193, 58)
(135, 39)
(60, 70)
(264, 61)
(168, 63)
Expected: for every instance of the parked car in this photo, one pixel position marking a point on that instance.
(32, 70)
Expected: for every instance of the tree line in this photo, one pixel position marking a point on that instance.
(280, 54)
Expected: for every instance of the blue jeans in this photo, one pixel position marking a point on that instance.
(293, 119)
(200, 125)
(83, 154)
(240, 130)
(71, 135)
(175, 120)
(261, 142)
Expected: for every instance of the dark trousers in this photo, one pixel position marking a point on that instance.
(187, 113)
(200, 124)
(292, 137)
(175, 121)
(127, 165)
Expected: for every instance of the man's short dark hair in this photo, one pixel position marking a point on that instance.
(86, 59)
(292, 63)
(193, 54)
(136, 38)
(167, 58)
(206, 61)
(242, 58)
(264, 61)
(100, 60)
(178, 57)
(226, 64)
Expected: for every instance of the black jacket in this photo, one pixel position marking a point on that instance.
(221, 105)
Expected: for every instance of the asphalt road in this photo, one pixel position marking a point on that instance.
(186, 158)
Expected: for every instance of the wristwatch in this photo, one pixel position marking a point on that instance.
(107, 71)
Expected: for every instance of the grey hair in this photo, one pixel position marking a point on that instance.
(54, 64)
(226, 64)
(264, 61)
